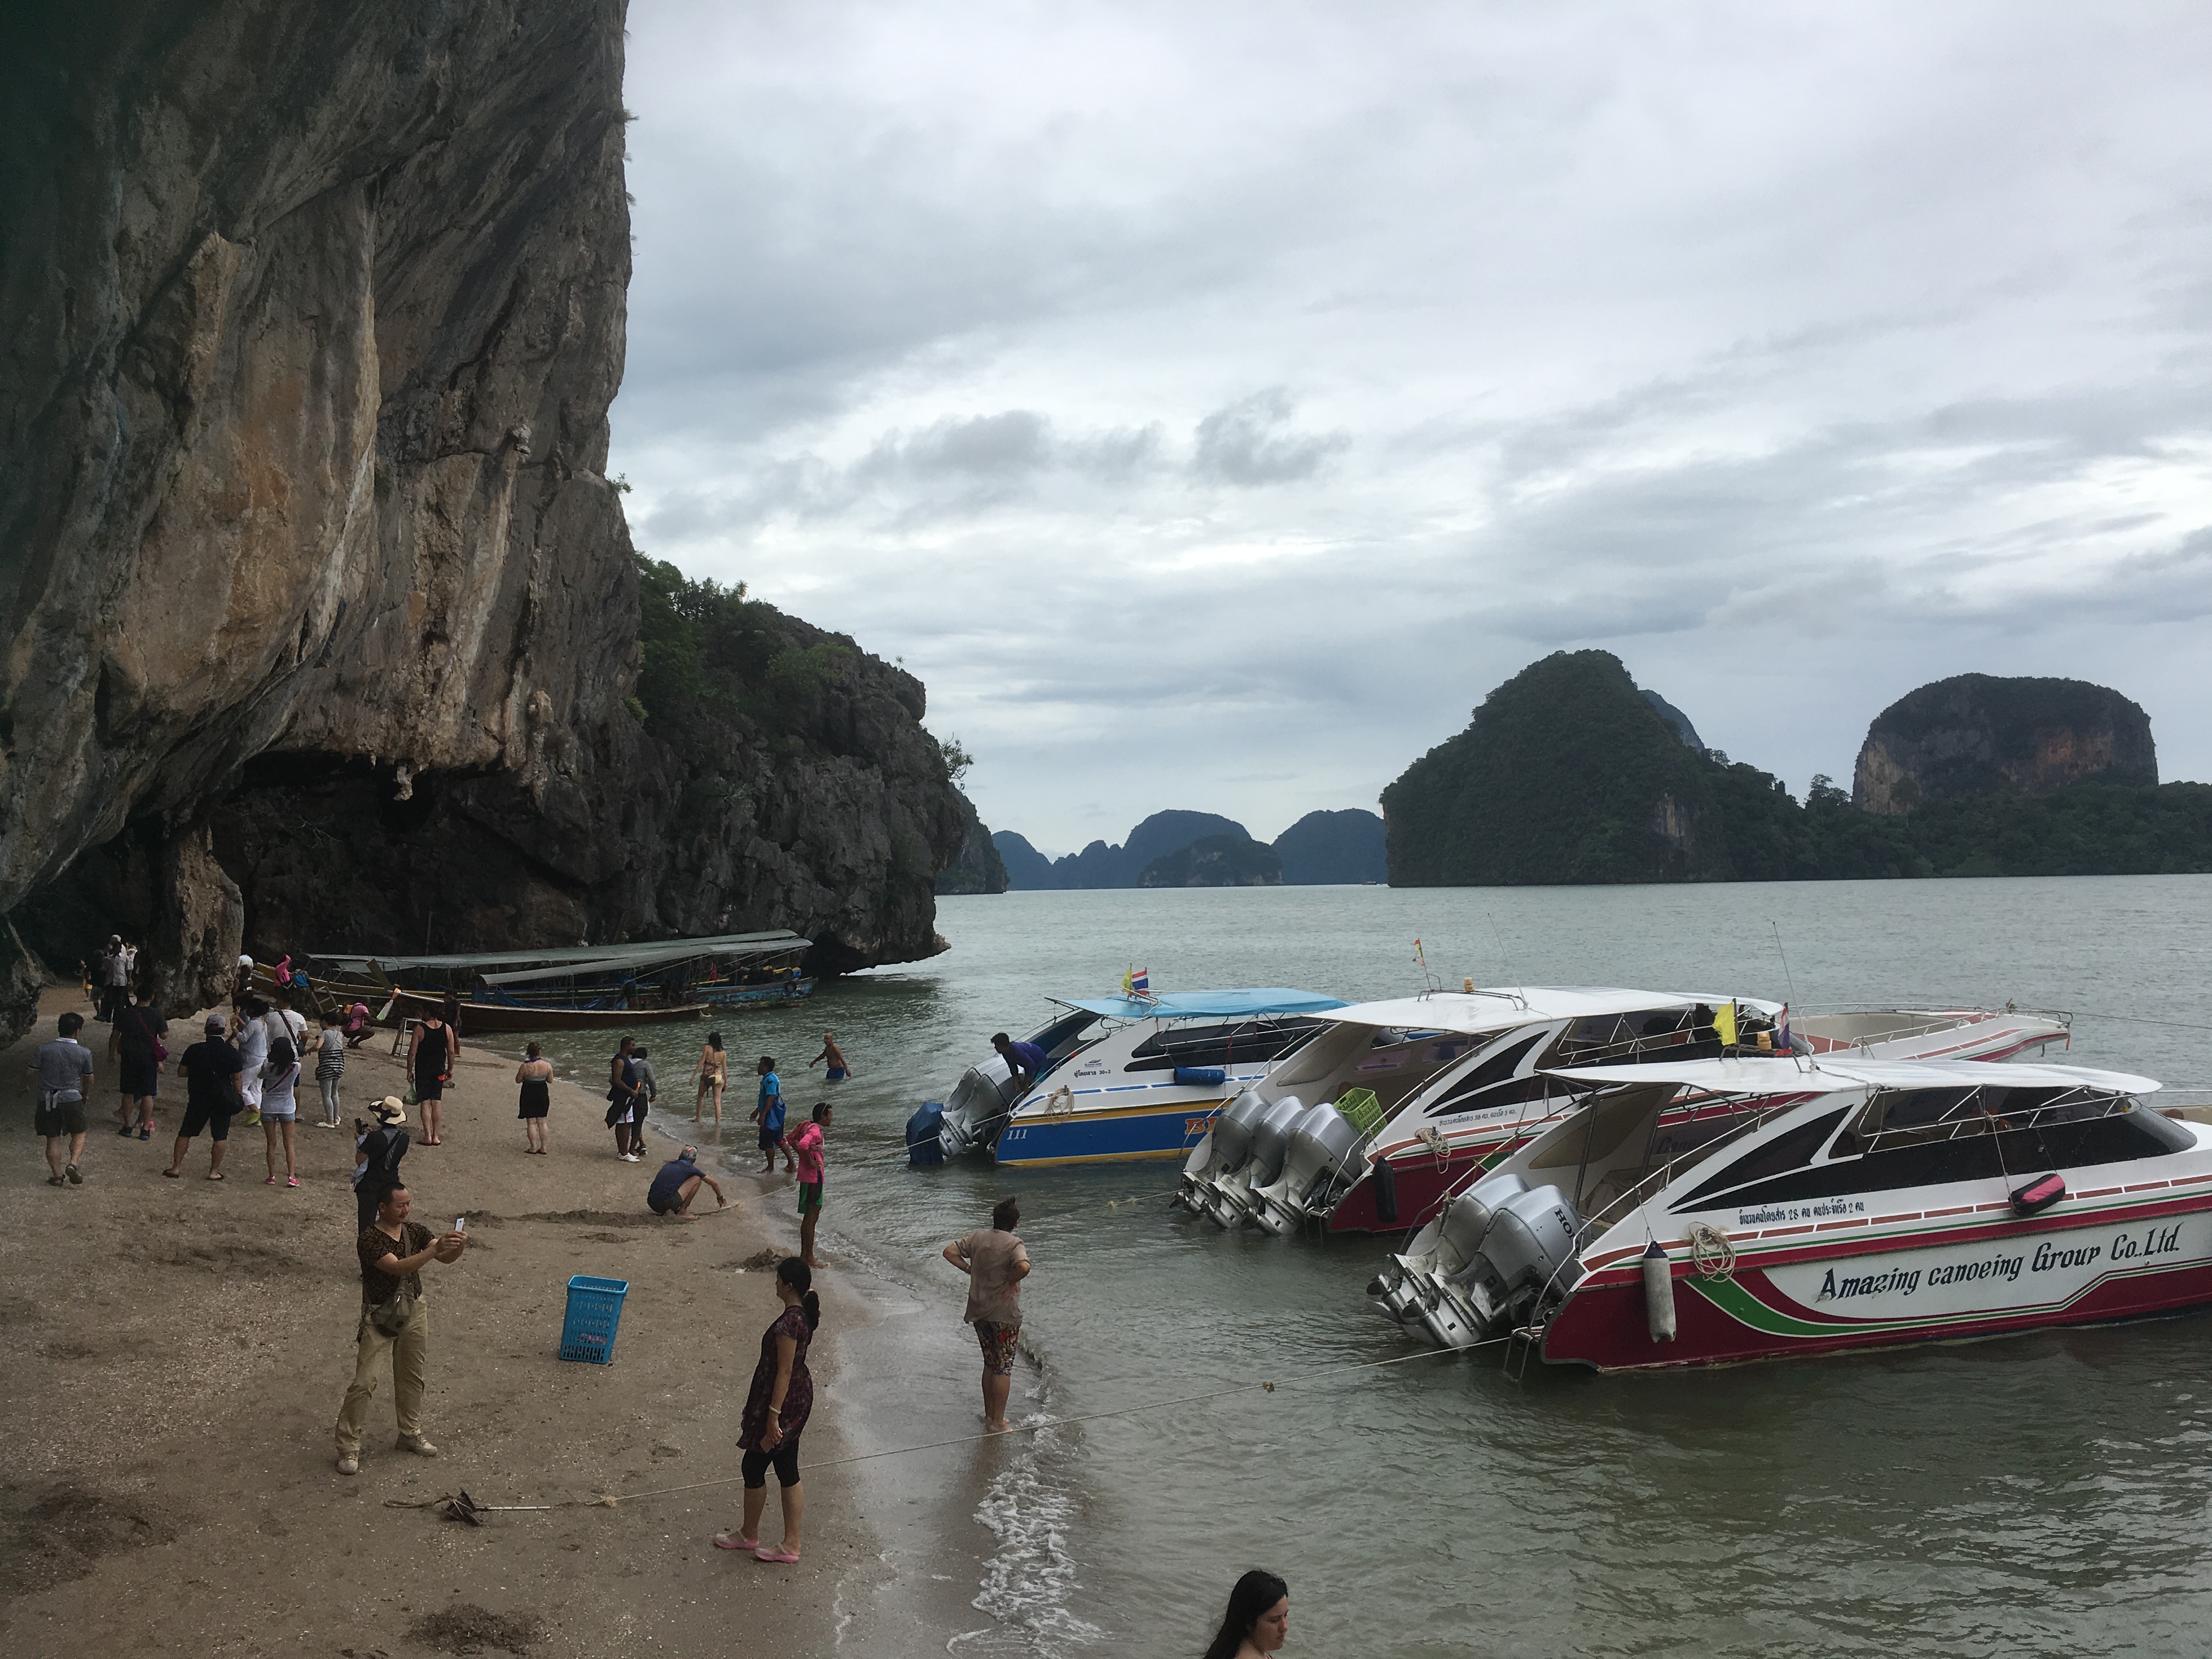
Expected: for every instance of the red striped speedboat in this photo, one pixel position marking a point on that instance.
(1395, 1105)
(1807, 1208)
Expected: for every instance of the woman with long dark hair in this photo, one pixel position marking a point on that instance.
(1258, 1621)
(775, 1413)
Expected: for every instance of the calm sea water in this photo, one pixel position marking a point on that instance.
(2041, 1495)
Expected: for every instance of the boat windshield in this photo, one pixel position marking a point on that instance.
(1245, 1042)
(1904, 1138)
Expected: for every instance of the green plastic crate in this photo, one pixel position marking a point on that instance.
(1361, 1110)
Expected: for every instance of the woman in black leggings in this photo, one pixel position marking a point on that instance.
(776, 1411)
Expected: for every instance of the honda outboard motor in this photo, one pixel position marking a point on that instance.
(1493, 1258)
(1224, 1147)
(977, 1109)
(1324, 1161)
(1271, 1139)
(1228, 1185)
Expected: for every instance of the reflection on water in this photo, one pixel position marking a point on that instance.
(2041, 1494)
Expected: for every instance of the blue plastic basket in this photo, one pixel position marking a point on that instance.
(594, 1312)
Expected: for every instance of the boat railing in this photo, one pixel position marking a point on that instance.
(1925, 1022)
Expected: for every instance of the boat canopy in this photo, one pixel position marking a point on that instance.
(1207, 1005)
(1784, 1075)
(612, 955)
(660, 955)
(1488, 1009)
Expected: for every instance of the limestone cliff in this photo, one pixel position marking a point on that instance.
(977, 867)
(321, 616)
(1974, 733)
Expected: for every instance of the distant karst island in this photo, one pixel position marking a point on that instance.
(1178, 848)
(1569, 773)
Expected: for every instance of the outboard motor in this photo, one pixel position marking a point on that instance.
(1322, 1164)
(1524, 1243)
(924, 1131)
(1228, 1189)
(977, 1109)
(1413, 1285)
(1224, 1147)
(1235, 1193)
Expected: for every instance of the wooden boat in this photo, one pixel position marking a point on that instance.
(480, 1017)
(564, 987)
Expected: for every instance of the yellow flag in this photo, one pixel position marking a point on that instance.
(1725, 1022)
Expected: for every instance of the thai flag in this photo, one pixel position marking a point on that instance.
(1140, 981)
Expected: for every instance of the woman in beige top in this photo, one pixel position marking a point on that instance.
(712, 1075)
(995, 1262)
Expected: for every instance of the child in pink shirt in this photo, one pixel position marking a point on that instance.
(806, 1149)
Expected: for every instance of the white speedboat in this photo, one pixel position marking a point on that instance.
(1808, 1209)
(1129, 1077)
(1372, 1124)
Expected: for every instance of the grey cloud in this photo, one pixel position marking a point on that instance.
(1780, 358)
(1248, 442)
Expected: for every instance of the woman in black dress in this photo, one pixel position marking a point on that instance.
(535, 1074)
(435, 1045)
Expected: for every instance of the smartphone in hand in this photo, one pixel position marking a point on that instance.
(461, 1224)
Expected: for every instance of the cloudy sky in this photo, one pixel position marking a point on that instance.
(1211, 402)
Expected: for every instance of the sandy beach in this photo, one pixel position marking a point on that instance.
(179, 1349)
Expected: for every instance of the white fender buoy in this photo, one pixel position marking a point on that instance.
(1658, 1293)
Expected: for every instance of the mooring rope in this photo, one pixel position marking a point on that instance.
(613, 1500)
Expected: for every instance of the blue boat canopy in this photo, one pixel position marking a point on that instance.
(1207, 1005)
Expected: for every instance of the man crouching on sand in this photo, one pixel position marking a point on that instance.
(393, 1251)
(677, 1183)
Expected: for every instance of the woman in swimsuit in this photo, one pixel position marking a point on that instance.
(535, 1074)
(712, 1075)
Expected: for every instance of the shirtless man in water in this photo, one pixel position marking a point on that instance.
(839, 1071)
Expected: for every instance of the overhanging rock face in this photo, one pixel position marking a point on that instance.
(313, 313)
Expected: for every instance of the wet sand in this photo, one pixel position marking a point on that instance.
(178, 1351)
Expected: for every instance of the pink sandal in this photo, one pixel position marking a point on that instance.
(780, 1558)
(729, 1541)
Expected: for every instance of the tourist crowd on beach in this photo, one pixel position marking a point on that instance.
(248, 1066)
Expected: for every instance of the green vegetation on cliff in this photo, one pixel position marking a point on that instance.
(1216, 861)
(1568, 775)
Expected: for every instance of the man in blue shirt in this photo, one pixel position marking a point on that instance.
(769, 1113)
(1023, 1060)
(677, 1183)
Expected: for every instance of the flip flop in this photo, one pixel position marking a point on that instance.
(724, 1540)
(776, 1558)
(214, 1174)
(172, 1175)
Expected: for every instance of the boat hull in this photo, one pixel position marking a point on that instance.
(2111, 1259)
(477, 1017)
(719, 997)
(1162, 1130)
